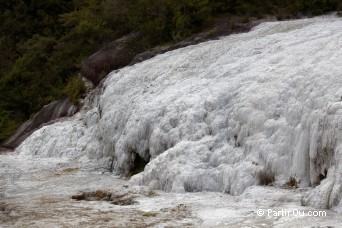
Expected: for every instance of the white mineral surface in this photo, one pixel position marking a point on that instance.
(207, 118)
(37, 193)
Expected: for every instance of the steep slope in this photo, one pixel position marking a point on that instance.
(209, 117)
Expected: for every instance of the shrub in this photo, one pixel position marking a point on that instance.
(266, 177)
(292, 182)
(74, 88)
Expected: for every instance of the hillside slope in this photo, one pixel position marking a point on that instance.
(210, 117)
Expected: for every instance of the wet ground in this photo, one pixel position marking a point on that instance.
(36, 192)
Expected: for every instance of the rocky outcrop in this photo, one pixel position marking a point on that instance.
(114, 55)
(221, 28)
(125, 51)
(47, 114)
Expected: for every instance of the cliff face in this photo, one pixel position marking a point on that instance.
(48, 113)
(210, 117)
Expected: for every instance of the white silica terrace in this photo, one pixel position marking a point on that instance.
(210, 117)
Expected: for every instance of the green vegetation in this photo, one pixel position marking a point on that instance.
(74, 88)
(42, 43)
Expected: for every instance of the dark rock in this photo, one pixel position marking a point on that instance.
(126, 51)
(121, 199)
(114, 55)
(102, 195)
(48, 113)
(4, 151)
(98, 195)
(79, 197)
(124, 202)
